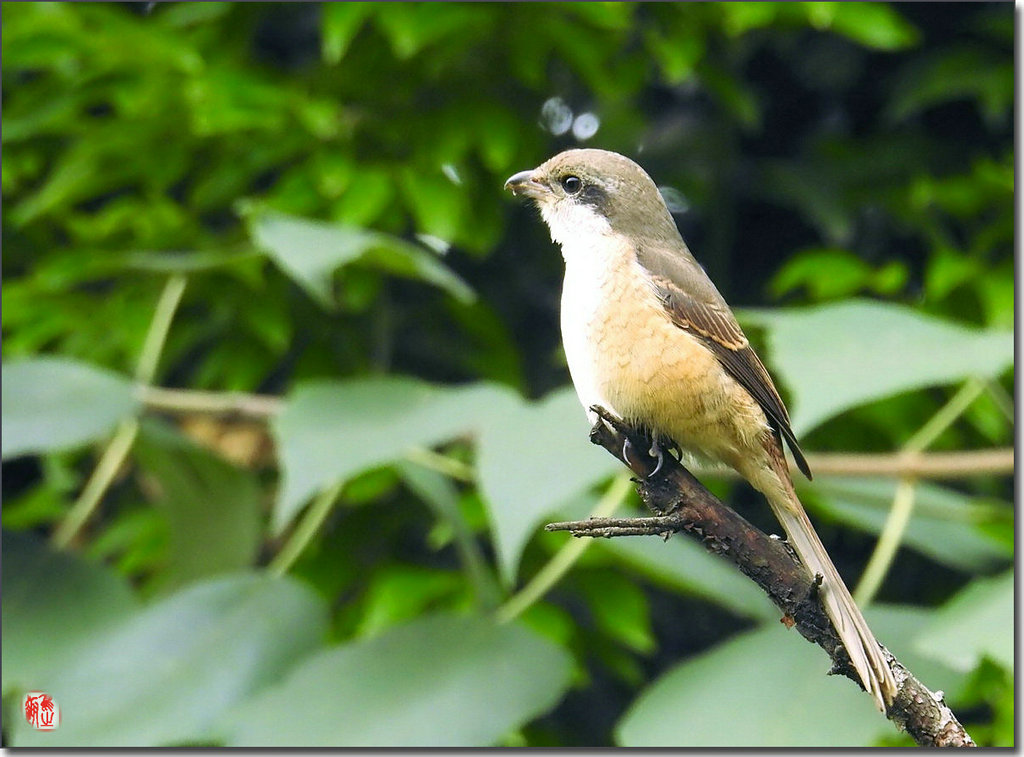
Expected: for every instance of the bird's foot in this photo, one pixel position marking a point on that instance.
(655, 452)
(639, 449)
(658, 454)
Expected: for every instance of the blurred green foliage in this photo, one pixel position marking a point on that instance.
(326, 182)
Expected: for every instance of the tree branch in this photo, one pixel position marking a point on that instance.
(931, 465)
(686, 506)
(178, 401)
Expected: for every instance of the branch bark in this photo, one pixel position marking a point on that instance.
(686, 506)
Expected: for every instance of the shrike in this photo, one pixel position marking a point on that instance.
(648, 337)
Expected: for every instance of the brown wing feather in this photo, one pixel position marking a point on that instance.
(710, 319)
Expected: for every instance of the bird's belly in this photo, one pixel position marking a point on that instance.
(626, 355)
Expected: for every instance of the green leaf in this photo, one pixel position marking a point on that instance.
(439, 681)
(836, 357)
(135, 541)
(43, 589)
(399, 593)
(676, 55)
(740, 17)
(438, 205)
(827, 274)
(772, 688)
(978, 622)
(177, 666)
(876, 25)
(949, 527)
(499, 132)
(608, 16)
(192, 15)
(619, 608)
(434, 488)
(226, 101)
(438, 491)
(531, 459)
(55, 403)
(816, 192)
(39, 506)
(331, 430)
(410, 27)
(947, 270)
(768, 685)
(733, 95)
(213, 508)
(684, 565)
(890, 278)
(310, 251)
(341, 22)
(362, 208)
(958, 73)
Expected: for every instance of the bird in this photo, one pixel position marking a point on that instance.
(648, 337)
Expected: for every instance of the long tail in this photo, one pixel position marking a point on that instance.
(846, 617)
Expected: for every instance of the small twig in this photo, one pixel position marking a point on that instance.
(121, 443)
(102, 475)
(435, 461)
(930, 465)
(686, 506)
(160, 326)
(304, 532)
(1002, 398)
(945, 416)
(903, 502)
(610, 527)
(178, 401)
(888, 542)
(434, 488)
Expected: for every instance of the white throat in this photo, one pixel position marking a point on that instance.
(580, 231)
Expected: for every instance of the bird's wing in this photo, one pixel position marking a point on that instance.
(694, 304)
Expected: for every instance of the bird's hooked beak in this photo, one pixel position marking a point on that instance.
(523, 183)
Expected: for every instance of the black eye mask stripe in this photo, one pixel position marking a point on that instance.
(594, 196)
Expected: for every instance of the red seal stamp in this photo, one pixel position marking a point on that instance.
(41, 712)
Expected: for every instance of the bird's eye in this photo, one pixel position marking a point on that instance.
(571, 184)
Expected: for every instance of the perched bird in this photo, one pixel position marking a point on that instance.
(648, 337)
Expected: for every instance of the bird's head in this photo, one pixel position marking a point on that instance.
(594, 191)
